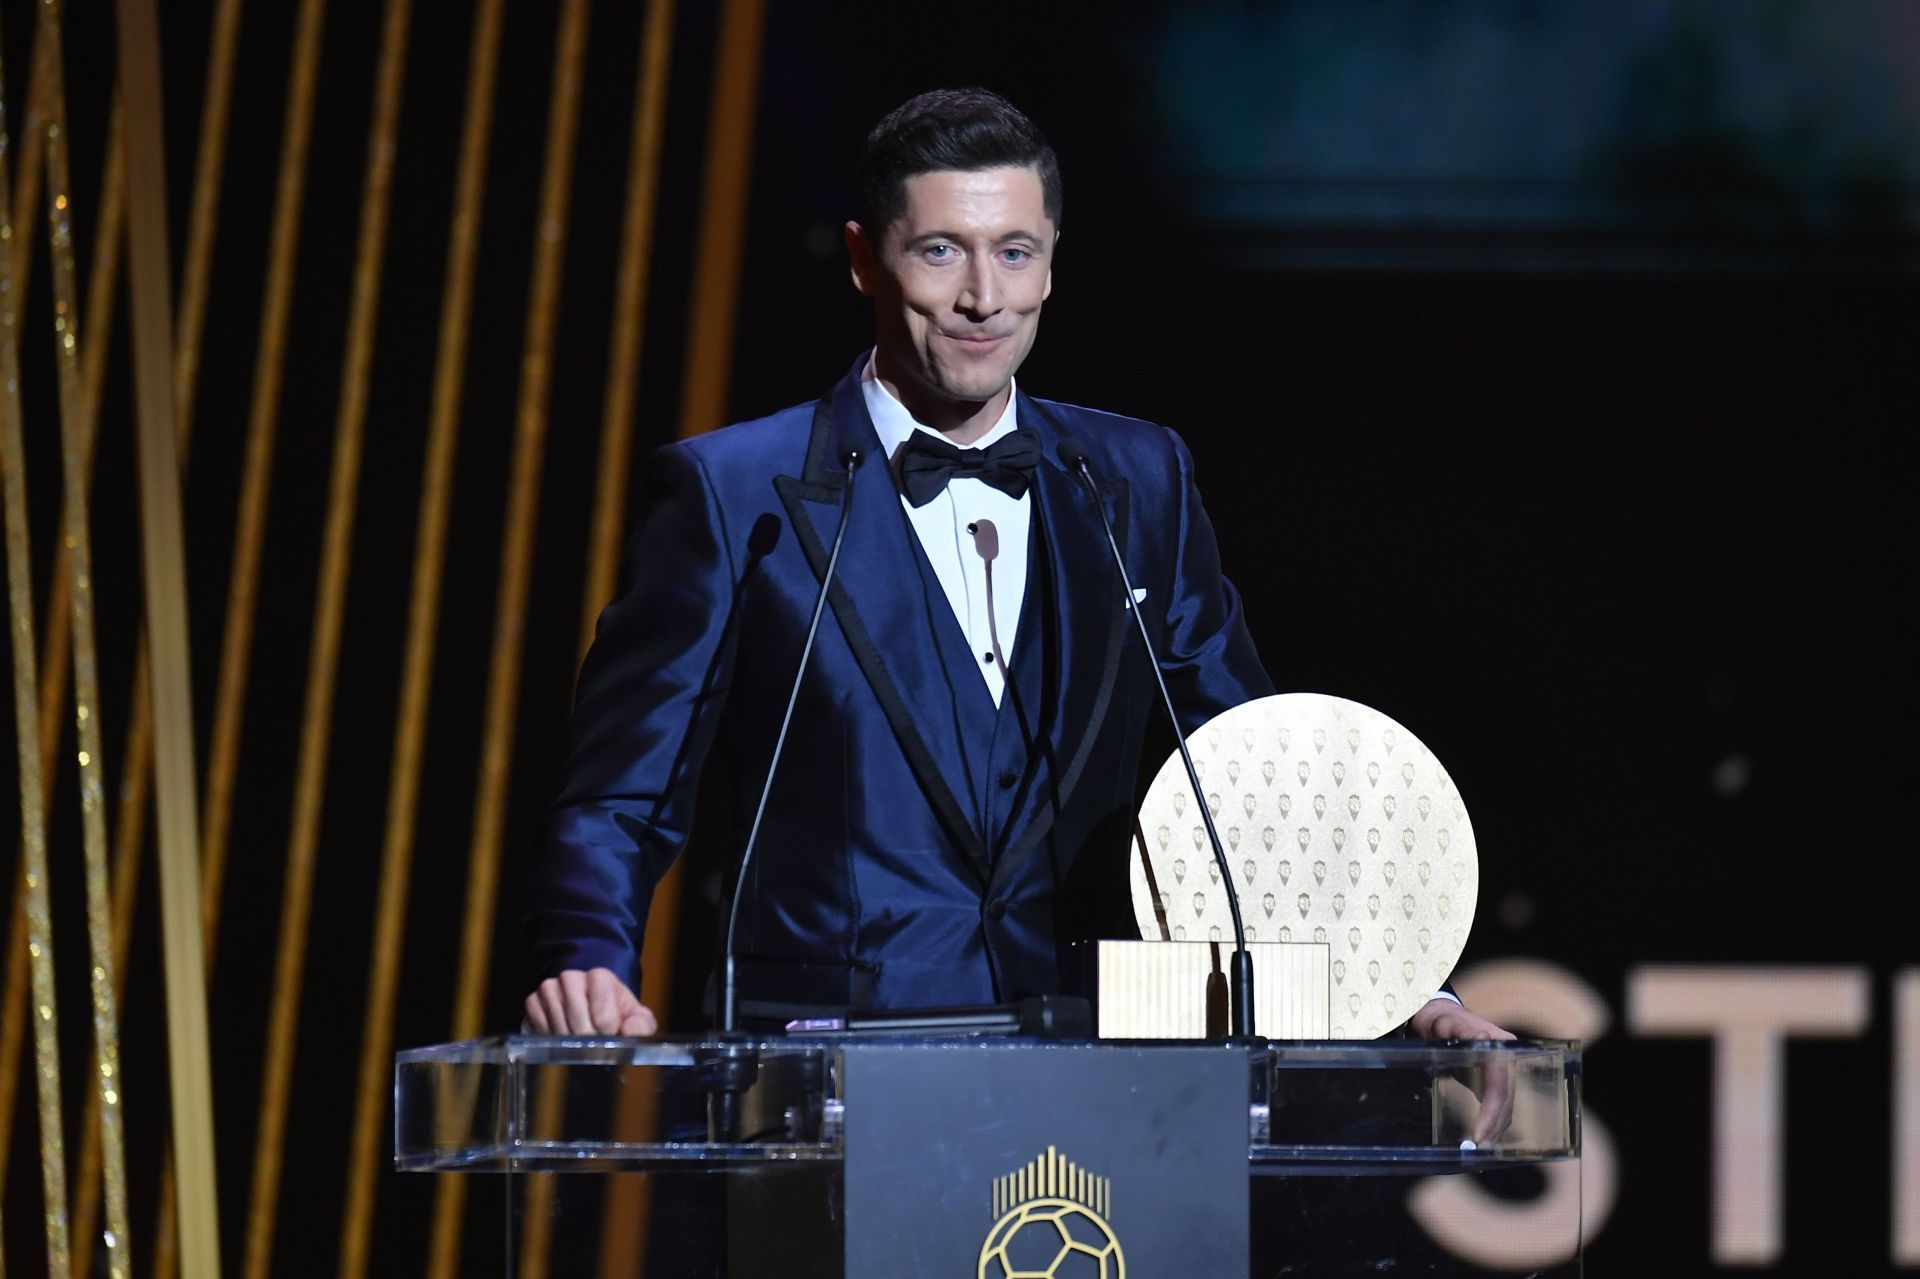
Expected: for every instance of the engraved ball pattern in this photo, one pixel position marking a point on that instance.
(1340, 827)
(1052, 1239)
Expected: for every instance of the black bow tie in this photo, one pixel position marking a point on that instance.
(928, 462)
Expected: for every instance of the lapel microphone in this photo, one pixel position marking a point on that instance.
(1075, 456)
(729, 995)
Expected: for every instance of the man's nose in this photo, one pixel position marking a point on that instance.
(980, 292)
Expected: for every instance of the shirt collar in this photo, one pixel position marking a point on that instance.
(893, 423)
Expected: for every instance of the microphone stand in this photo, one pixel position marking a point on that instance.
(732, 1068)
(1240, 979)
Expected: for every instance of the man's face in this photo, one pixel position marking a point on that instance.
(957, 282)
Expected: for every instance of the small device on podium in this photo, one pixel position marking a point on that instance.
(1355, 863)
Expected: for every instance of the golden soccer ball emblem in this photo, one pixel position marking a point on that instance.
(1051, 1239)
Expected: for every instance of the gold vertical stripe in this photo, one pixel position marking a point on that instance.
(223, 752)
(710, 346)
(136, 769)
(368, 1159)
(55, 663)
(629, 1200)
(128, 828)
(33, 835)
(86, 670)
(136, 773)
(250, 517)
(723, 208)
(629, 316)
(209, 166)
(322, 669)
(516, 553)
(536, 1220)
(164, 573)
(26, 199)
(76, 442)
(101, 291)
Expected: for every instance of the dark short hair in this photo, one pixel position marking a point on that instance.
(947, 130)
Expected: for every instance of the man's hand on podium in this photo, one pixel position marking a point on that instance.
(1447, 1019)
(594, 1002)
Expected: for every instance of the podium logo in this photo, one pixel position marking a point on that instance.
(1051, 1224)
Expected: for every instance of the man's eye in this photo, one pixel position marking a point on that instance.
(1017, 257)
(941, 252)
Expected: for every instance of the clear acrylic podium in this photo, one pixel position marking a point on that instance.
(991, 1156)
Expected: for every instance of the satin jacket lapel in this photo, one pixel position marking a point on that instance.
(1091, 627)
(877, 596)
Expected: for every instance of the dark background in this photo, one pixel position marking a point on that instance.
(1605, 504)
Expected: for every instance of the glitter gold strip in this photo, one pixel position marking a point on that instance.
(128, 831)
(55, 663)
(723, 214)
(369, 1158)
(516, 556)
(54, 666)
(33, 834)
(86, 672)
(164, 574)
(102, 289)
(26, 200)
(322, 670)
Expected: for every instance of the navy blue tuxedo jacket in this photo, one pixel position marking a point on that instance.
(921, 846)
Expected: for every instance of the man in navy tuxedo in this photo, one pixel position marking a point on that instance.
(956, 798)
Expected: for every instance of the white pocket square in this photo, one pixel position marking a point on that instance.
(1139, 596)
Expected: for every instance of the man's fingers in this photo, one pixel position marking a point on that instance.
(555, 1006)
(1496, 1103)
(616, 1010)
(595, 1002)
(603, 1001)
(573, 988)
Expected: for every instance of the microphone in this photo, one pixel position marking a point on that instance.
(729, 1002)
(1075, 456)
(986, 539)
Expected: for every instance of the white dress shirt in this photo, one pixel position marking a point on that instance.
(985, 603)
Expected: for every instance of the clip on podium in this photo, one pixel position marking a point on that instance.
(997, 1156)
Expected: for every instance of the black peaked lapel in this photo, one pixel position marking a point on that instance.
(878, 597)
(1090, 621)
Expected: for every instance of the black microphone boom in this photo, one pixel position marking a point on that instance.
(1075, 456)
(729, 995)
